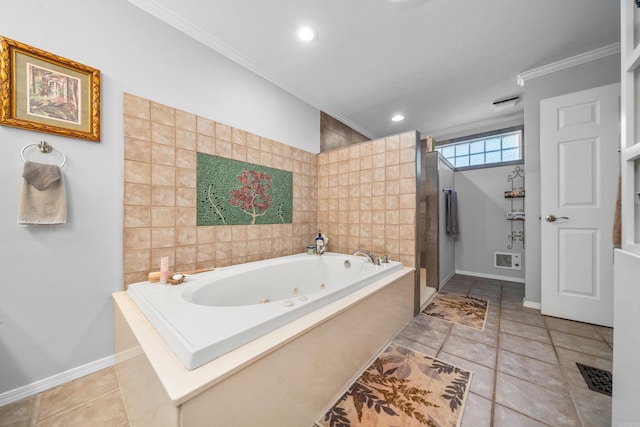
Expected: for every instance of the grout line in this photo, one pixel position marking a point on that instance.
(495, 371)
(36, 410)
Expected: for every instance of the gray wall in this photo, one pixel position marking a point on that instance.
(483, 228)
(55, 293)
(585, 76)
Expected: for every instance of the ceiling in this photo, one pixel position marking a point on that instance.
(440, 63)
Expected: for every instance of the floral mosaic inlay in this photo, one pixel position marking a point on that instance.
(231, 192)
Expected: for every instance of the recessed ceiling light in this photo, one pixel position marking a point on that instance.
(307, 34)
(397, 118)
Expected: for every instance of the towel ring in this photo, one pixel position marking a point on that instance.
(44, 147)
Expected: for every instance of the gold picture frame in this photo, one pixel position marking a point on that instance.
(44, 92)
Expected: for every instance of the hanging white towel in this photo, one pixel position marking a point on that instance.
(42, 198)
(451, 200)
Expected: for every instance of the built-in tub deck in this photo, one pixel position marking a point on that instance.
(215, 312)
(289, 374)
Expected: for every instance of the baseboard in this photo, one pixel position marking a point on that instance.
(64, 377)
(531, 304)
(491, 276)
(446, 279)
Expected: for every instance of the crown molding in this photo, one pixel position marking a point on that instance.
(185, 26)
(572, 61)
(510, 120)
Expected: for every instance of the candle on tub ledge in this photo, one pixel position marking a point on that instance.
(164, 269)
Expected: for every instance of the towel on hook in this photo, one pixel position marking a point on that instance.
(451, 203)
(42, 198)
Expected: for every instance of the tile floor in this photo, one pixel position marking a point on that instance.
(523, 364)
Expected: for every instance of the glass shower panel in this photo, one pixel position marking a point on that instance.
(636, 203)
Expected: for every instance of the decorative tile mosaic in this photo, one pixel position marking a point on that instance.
(231, 192)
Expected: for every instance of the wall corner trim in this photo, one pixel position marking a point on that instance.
(572, 61)
(55, 380)
(531, 304)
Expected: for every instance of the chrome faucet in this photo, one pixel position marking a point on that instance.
(374, 260)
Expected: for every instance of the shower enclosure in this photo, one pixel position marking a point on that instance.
(436, 249)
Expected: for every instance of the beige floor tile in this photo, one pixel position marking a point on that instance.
(72, 394)
(486, 293)
(418, 330)
(107, 410)
(470, 350)
(431, 322)
(513, 289)
(573, 328)
(581, 344)
(522, 316)
(493, 322)
(577, 385)
(477, 412)
(537, 402)
(19, 414)
(594, 414)
(482, 381)
(488, 336)
(606, 333)
(413, 345)
(505, 417)
(545, 374)
(524, 330)
(569, 358)
(527, 347)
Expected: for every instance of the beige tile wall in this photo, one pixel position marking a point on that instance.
(367, 197)
(160, 192)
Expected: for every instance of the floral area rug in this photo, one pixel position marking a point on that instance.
(402, 388)
(456, 308)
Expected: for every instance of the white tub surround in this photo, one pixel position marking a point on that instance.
(213, 313)
(287, 376)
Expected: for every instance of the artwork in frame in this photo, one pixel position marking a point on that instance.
(44, 92)
(231, 192)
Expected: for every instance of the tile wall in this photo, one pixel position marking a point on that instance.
(335, 134)
(367, 197)
(160, 192)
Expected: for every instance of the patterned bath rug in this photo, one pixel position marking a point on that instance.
(456, 308)
(404, 388)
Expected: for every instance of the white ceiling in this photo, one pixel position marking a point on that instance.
(441, 63)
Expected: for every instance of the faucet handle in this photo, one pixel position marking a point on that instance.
(384, 259)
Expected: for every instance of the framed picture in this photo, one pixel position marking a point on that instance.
(44, 92)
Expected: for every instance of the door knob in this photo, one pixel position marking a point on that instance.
(552, 218)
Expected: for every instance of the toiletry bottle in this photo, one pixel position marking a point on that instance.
(319, 244)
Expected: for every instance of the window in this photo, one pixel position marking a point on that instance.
(491, 149)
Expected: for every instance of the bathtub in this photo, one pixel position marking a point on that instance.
(213, 313)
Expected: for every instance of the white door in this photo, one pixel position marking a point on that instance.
(579, 168)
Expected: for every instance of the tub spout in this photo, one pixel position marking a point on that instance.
(374, 260)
